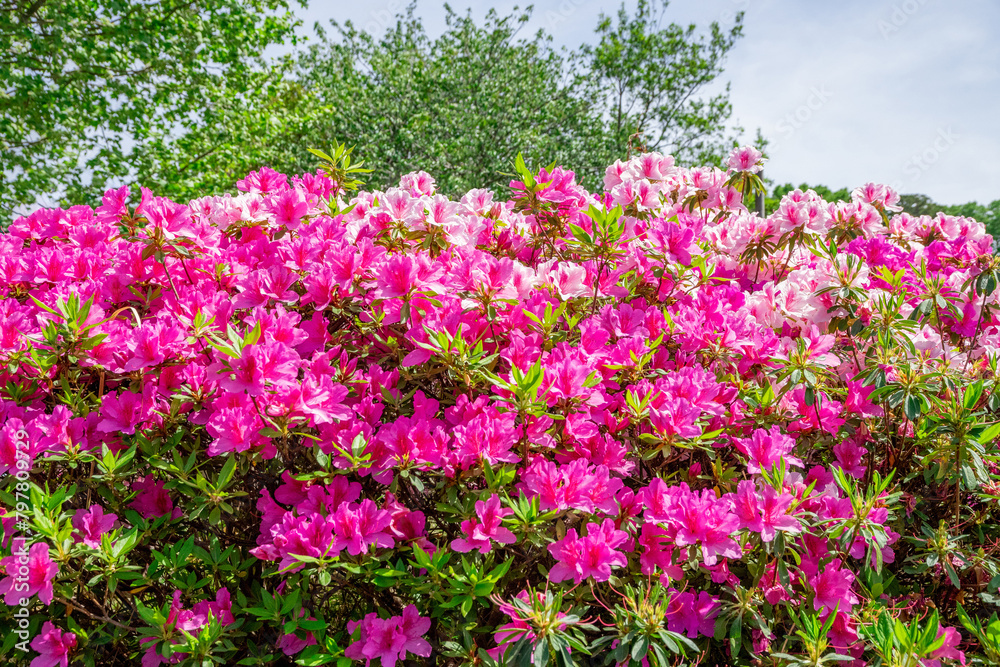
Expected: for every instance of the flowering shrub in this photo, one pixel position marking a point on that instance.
(641, 426)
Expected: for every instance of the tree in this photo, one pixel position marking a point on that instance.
(461, 106)
(87, 85)
(648, 78)
(917, 204)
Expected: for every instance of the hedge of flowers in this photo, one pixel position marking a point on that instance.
(306, 424)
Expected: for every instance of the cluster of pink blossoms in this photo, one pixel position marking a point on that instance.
(383, 338)
(389, 639)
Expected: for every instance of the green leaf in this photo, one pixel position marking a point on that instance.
(972, 395)
(736, 636)
(540, 656)
(986, 433)
(227, 472)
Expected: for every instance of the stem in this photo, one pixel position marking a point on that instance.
(788, 260)
(940, 328)
(597, 282)
(103, 619)
(186, 272)
(819, 419)
(958, 481)
(170, 280)
(975, 335)
(854, 349)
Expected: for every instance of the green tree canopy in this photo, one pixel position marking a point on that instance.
(461, 105)
(88, 84)
(646, 78)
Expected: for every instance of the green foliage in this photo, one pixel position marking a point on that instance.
(649, 75)
(460, 106)
(552, 636)
(987, 632)
(811, 631)
(640, 620)
(899, 644)
(339, 169)
(95, 85)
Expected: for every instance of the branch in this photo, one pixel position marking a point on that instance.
(103, 619)
(32, 9)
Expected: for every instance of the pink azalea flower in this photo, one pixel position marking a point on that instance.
(235, 429)
(489, 436)
(396, 278)
(289, 206)
(290, 643)
(851, 457)
(123, 412)
(359, 527)
(41, 571)
(658, 554)
(832, 586)
(7, 527)
(221, 609)
(764, 512)
(577, 485)
(389, 639)
(590, 556)
(693, 615)
(151, 344)
(91, 523)
(485, 527)
(269, 362)
(417, 183)
(875, 193)
(746, 158)
(311, 535)
(407, 526)
(113, 206)
(949, 650)
(824, 413)
(170, 218)
(153, 500)
(265, 180)
(843, 634)
(765, 448)
(13, 447)
(190, 621)
(53, 645)
(857, 400)
(702, 518)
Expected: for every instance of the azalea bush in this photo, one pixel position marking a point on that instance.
(311, 424)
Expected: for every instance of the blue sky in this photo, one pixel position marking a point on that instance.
(904, 92)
